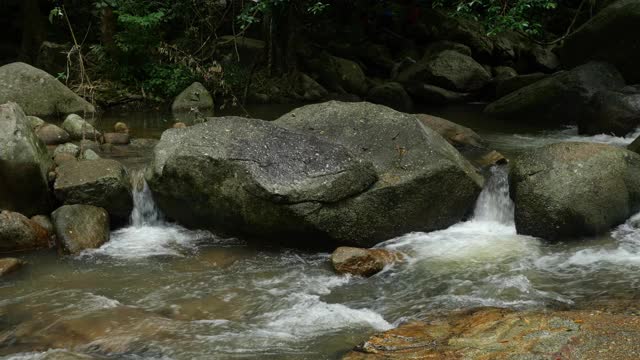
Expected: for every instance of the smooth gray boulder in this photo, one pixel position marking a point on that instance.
(570, 190)
(611, 112)
(80, 227)
(24, 165)
(103, 183)
(423, 184)
(79, 128)
(559, 99)
(19, 233)
(609, 36)
(448, 69)
(38, 93)
(196, 96)
(505, 86)
(252, 177)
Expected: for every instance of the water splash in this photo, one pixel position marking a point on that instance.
(145, 211)
(494, 203)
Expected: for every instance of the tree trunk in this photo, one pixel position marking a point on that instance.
(33, 30)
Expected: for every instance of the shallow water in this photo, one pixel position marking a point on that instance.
(159, 291)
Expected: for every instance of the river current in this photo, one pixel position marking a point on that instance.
(160, 291)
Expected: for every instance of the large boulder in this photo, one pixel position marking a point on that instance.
(505, 86)
(196, 96)
(38, 93)
(102, 183)
(559, 99)
(574, 189)
(448, 69)
(424, 183)
(79, 128)
(363, 174)
(392, 95)
(80, 227)
(24, 165)
(19, 233)
(251, 176)
(607, 36)
(611, 112)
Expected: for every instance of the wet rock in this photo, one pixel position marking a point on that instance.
(430, 94)
(102, 183)
(559, 99)
(490, 333)
(239, 174)
(78, 128)
(52, 135)
(611, 112)
(117, 138)
(506, 86)
(362, 262)
(61, 159)
(90, 155)
(121, 128)
(457, 135)
(392, 95)
(10, 265)
(35, 122)
(18, 233)
(448, 69)
(607, 37)
(196, 96)
(45, 223)
(65, 355)
(24, 164)
(38, 93)
(490, 158)
(110, 332)
(415, 166)
(80, 227)
(569, 190)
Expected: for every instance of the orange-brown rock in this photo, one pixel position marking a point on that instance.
(179, 125)
(9, 265)
(491, 333)
(456, 135)
(362, 262)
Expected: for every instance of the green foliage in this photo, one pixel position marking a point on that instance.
(501, 15)
(167, 80)
(250, 14)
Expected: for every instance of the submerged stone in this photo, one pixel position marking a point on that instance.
(362, 262)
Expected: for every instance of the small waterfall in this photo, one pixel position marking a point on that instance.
(145, 212)
(494, 203)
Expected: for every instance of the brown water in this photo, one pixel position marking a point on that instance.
(159, 291)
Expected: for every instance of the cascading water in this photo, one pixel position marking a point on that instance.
(494, 203)
(145, 211)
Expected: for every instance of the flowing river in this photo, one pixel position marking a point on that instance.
(159, 291)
